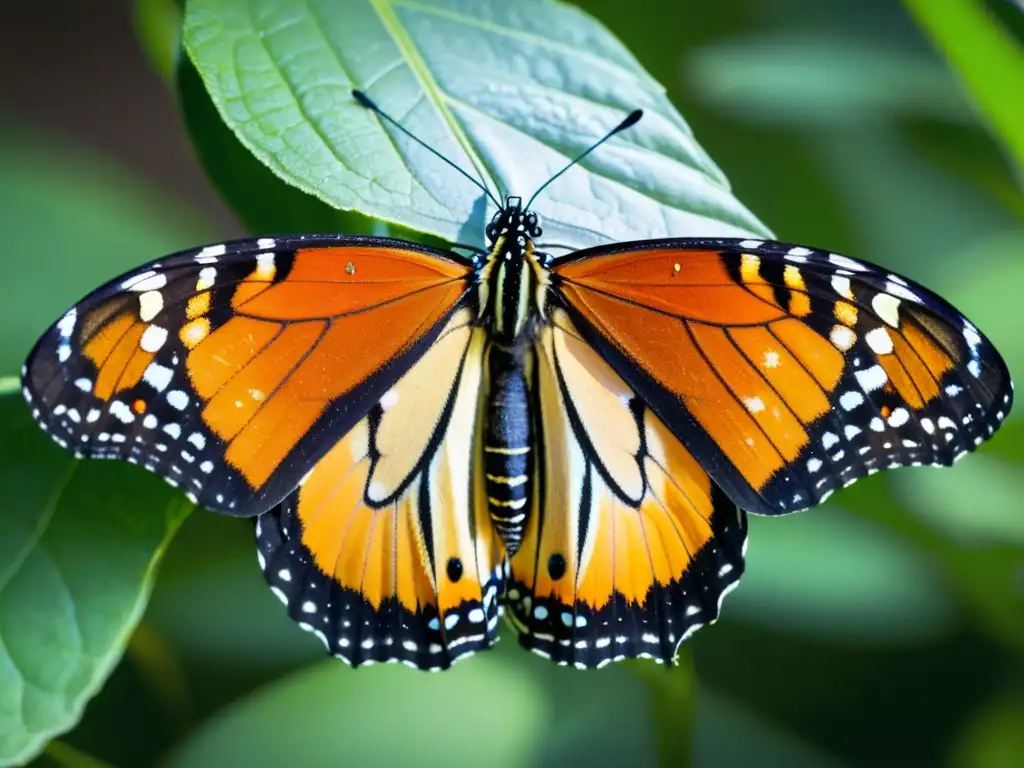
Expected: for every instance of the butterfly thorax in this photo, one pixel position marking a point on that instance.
(513, 273)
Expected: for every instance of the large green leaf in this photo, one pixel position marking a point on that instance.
(77, 546)
(78, 549)
(510, 91)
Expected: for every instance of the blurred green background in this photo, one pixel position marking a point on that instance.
(886, 628)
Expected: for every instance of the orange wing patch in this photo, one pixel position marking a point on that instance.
(649, 278)
(606, 572)
(788, 372)
(397, 542)
(247, 359)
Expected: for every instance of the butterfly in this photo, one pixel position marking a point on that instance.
(429, 440)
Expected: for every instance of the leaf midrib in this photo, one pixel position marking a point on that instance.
(41, 527)
(408, 51)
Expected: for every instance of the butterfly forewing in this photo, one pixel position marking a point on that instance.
(788, 372)
(230, 370)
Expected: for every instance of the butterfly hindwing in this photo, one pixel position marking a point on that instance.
(386, 551)
(787, 371)
(629, 547)
(231, 369)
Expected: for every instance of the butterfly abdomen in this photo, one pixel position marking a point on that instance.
(508, 446)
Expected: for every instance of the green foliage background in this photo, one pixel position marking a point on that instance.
(886, 628)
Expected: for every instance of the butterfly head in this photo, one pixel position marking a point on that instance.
(511, 221)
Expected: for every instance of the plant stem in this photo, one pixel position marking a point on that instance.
(163, 674)
(673, 692)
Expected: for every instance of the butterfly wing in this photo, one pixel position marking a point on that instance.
(786, 371)
(386, 552)
(231, 370)
(629, 547)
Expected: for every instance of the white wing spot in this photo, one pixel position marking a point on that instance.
(879, 340)
(207, 277)
(841, 285)
(798, 254)
(150, 304)
(210, 253)
(871, 378)
(754, 404)
(153, 338)
(904, 293)
(899, 417)
(850, 400)
(842, 337)
(121, 412)
(157, 376)
(846, 263)
(177, 399)
(67, 323)
(887, 307)
(389, 400)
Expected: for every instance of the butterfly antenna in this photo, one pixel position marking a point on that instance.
(370, 104)
(631, 119)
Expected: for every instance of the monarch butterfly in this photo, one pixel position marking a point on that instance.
(428, 439)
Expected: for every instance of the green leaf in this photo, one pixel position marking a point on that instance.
(977, 501)
(988, 59)
(78, 550)
(482, 712)
(987, 578)
(810, 80)
(830, 574)
(544, 81)
(262, 201)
